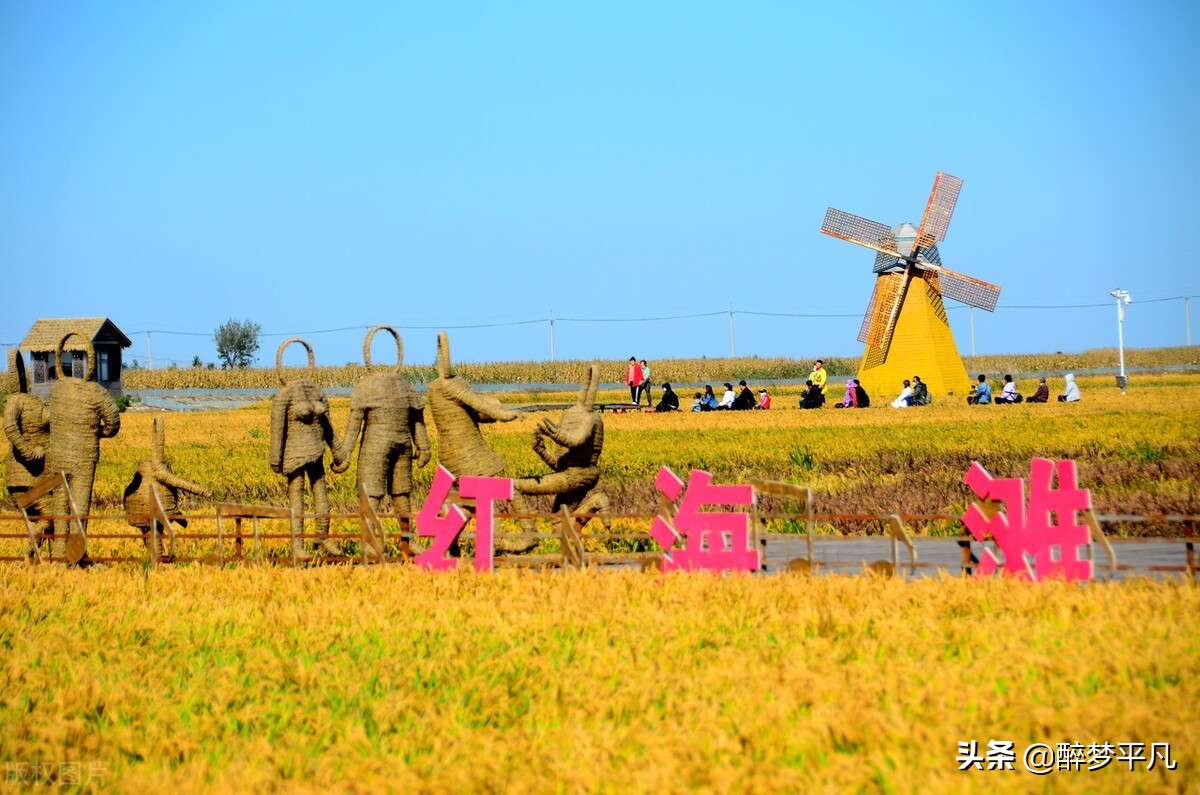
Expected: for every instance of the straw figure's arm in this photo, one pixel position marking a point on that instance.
(420, 434)
(110, 415)
(169, 479)
(12, 429)
(353, 429)
(340, 457)
(488, 408)
(571, 432)
(279, 411)
(539, 447)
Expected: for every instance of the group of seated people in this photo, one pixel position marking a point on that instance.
(707, 400)
(913, 393)
(982, 394)
(742, 400)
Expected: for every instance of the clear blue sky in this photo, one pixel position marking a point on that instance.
(321, 166)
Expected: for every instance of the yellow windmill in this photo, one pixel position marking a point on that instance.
(905, 329)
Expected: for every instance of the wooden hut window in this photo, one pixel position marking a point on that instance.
(102, 366)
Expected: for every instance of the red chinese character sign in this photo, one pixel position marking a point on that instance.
(444, 529)
(711, 540)
(1029, 532)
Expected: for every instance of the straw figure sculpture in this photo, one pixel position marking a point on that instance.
(81, 414)
(390, 417)
(27, 429)
(457, 412)
(300, 431)
(155, 475)
(576, 467)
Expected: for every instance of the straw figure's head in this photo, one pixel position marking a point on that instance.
(89, 351)
(279, 368)
(587, 392)
(18, 384)
(444, 366)
(399, 346)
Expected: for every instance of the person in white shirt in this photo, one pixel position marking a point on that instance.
(1071, 395)
(727, 399)
(905, 393)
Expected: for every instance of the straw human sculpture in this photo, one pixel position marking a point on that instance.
(300, 432)
(154, 475)
(457, 413)
(81, 414)
(576, 467)
(390, 418)
(27, 431)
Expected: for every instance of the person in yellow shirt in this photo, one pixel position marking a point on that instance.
(818, 376)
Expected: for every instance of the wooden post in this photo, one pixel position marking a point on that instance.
(789, 491)
(572, 541)
(27, 498)
(372, 535)
(1098, 537)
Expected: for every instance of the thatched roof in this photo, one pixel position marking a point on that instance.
(46, 333)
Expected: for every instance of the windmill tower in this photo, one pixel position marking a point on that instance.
(905, 329)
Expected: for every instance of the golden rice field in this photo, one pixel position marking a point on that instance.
(352, 680)
(341, 678)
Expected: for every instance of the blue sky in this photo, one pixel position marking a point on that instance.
(332, 166)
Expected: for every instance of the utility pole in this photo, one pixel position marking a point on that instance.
(551, 338)
(1122, 301)
(149, 353)
(1187, 318)
(732, 351)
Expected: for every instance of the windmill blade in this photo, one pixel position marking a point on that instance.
(880, 319)
(938, 210)
(862, 231)
(964, 289)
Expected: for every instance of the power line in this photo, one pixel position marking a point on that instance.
(658, 319)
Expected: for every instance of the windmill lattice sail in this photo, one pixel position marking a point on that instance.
(938, 210)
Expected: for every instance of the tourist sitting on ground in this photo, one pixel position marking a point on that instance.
(764, 400)
(920, 393)
(861, 397)
(811, 397)
(1042, 395)
(708, 401)
(983, 392)
(696, 404)
(745, 398)
(727, 399)
(670, 401)
(1009, 393)
(850, 398)
(905, 393)
(1071, 395)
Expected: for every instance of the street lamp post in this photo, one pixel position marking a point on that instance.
(1122, 301)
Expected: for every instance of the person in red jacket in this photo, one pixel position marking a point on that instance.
(634, 379)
